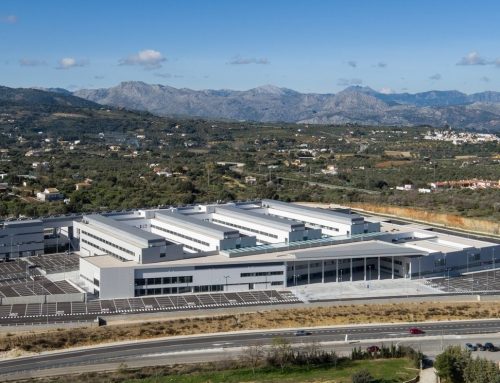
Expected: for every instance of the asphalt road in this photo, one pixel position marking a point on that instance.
(131, 351)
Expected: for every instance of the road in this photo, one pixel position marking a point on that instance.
(95, 358)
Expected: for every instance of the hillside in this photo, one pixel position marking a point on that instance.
(26, 97)
(361, 105)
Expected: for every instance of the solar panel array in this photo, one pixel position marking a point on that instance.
(161, 303)
(484, 281)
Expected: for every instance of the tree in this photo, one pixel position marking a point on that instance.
(450, 365)
(280, 353)
(253, 356)
(481, 371)
(362, 376)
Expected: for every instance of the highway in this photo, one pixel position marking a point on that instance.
(93, 357)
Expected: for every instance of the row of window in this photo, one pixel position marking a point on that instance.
(261, 274)
(163, 281)
(396, 262)
(180, 235)
(104, 250)
(244, 228)
(15, 244)
(108, 243)
(160, 291)
(95, 281)
(306, 222)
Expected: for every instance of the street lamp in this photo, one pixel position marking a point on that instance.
(226, 277)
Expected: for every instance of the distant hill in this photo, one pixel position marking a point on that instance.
(27, 96)
(269, 103)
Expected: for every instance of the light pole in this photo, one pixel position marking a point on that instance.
(448, 269)
(494, 272)
(226, 277)
(419, 269)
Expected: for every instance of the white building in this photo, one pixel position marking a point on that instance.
(267, 228)
(196, 234)
(330, 222)
(244, 246)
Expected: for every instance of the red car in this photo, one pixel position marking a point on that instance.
(416, 330)
(373, 349)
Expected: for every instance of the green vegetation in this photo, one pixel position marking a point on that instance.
(456, 365)
(383, 371)
(122, 152)
(281, 362)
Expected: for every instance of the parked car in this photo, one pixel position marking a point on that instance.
(373, 349)
(480, 347)
(302, 333)
(470, 347)
(416, 330)
(488, 346)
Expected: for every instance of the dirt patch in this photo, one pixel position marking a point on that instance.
(265, 319)
(452, 220)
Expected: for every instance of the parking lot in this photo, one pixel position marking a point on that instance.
(473, 283)
(13, 270)
(133, 305)
(37, 286)
(55, 263)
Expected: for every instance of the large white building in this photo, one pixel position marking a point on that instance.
(244, 246)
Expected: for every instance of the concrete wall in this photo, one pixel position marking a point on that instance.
(74, 297)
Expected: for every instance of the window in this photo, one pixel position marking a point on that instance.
(261, 274)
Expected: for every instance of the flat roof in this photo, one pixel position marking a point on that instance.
(21, 223)
(122, 229)
(259, 219)
(431, 246)
(313, 212)
(203, 227)
(368, 249)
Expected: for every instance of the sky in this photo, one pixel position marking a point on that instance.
(319, 46)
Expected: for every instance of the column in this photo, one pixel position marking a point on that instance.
(364, 269)
(409, 270)
(322, 271)
(336, 270)
(378, 277)
(350, 276)
(308, 272)
(392, 276)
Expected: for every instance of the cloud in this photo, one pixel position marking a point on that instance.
(485, 79)
(381, 64)
(436, 77)
(71, 62)
(9, 19)
(147, 58)
(349, 81)
(473, 58)
(386, 91)
(352, 63)
(98, 77)
(168, 75)
(32, 62)
(238, 60)
(497, 63)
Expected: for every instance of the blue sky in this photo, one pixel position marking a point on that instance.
(311, 46)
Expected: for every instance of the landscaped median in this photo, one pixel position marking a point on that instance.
(280, 362)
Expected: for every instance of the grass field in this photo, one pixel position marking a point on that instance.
(383, 370)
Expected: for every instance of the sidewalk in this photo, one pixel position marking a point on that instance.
(428, 376)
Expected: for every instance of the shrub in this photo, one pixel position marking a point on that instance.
(362, 376)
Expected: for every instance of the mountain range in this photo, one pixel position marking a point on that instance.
(268, 103)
